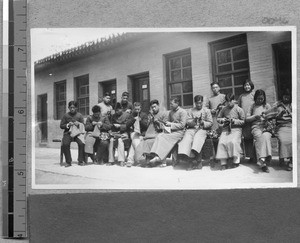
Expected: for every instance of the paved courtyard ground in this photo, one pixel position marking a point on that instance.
(48, 172)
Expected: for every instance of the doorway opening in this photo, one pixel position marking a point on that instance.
(283, 65)
(141, 90)
(42, 117)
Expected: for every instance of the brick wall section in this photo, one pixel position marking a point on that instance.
(147, 55)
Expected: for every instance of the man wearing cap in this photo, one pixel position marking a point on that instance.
(106, 108)
(125, 104)
(173, 132)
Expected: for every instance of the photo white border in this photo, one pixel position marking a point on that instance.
(294, 183)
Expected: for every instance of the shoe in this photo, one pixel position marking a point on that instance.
(80, 163)
(129, 164)
(281, 163)
(223, 167)
(122, 163)
(110, 163)
(154, 160)
(265, 169)
(68, 165)
(235, 165)
(261, 163)
(163, 165)
(289, 166)
(191, 167)
(199, 166)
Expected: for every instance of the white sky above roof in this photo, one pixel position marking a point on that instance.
(45, 42)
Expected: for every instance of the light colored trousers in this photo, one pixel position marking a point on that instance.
(193, 139)
(120, 149)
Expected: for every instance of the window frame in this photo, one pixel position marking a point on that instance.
(56, 85)
(168, 58)
(85, 97)
(229, 43)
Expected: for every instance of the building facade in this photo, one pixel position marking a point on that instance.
(158, 66)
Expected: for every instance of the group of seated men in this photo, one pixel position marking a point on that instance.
(148, 138)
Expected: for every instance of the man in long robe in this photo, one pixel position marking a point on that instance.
(232, 118)
(215, 103)
(199, 120)
(156, 119)
(173, 132)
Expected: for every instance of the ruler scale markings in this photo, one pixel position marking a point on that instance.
(14, 183)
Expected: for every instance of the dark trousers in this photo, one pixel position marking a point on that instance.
(66, 141)
(102, 150)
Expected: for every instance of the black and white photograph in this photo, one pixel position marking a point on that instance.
(163, 108)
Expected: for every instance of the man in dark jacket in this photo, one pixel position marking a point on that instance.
(96, 126)
(70, 121)
(125, 104)
(139, 129)
(121, 122)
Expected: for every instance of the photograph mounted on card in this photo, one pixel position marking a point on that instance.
(164, 108)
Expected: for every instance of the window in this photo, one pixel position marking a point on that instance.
(82, 94)
(60, 99)
(179, 77)
(230, 63)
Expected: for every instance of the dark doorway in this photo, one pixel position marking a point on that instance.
(283, 62)
(110, 87)
(140, 90)
(42, 117)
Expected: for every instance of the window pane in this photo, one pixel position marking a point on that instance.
(81, 110)
(62, 87)
(240, 65)
(224, 68)
(186, 61)
(240, 53)
(60, 99)
(239, 79)
(81, 102)
(83, 91)
(187, 74)
(238, 91)
(176, 75)
(226, 91)
(60, 109)
(223, 57)
(83, 81)
(61, 96)
(225, 81)
(175, 88)
(187, 87)
(187, 99)
(175, 63)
